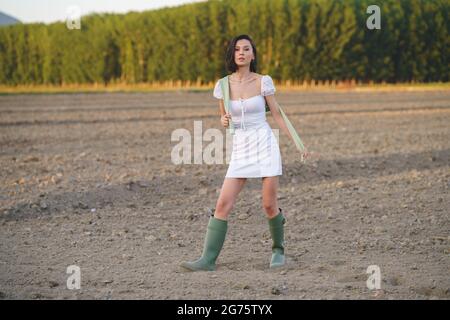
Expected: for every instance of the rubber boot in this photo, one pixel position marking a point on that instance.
(276, 226)
(214, 239)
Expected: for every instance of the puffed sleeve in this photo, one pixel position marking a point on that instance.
(267, 88)
(218, 91)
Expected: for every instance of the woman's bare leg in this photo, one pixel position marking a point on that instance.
(228, 195)
(276, 220)
(269, 196)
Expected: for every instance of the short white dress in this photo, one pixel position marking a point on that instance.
(256, 152)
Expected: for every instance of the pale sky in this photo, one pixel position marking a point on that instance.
(56, 10)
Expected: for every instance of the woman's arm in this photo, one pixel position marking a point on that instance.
(274, 109)
(224, 117)
(221, 107)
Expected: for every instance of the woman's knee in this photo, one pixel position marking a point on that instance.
(223, 207)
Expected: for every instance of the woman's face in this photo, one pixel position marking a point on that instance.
(243, 52)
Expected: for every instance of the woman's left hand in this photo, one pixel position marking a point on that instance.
(305, 154)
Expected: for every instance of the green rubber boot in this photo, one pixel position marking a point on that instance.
(214, 239)
(276, 225)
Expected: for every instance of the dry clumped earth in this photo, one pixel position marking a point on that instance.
(87, 180)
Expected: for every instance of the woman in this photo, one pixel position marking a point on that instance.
(255, 154)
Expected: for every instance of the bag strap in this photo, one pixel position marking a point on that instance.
(298, 142)
(226, 99)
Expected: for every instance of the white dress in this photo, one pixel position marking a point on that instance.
(256, 152)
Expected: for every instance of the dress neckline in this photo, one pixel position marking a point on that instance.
(259, 95)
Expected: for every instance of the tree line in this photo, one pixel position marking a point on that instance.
(295, 39)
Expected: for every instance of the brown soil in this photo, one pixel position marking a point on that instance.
(87, 180)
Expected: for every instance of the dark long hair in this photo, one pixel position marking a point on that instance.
(229, 57)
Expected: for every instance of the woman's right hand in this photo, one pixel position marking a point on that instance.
(225, 119)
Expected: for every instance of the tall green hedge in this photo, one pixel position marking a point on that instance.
(296, 40)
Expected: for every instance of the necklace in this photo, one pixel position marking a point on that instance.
(243, 80)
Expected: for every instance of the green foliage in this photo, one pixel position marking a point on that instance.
(296, 40)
